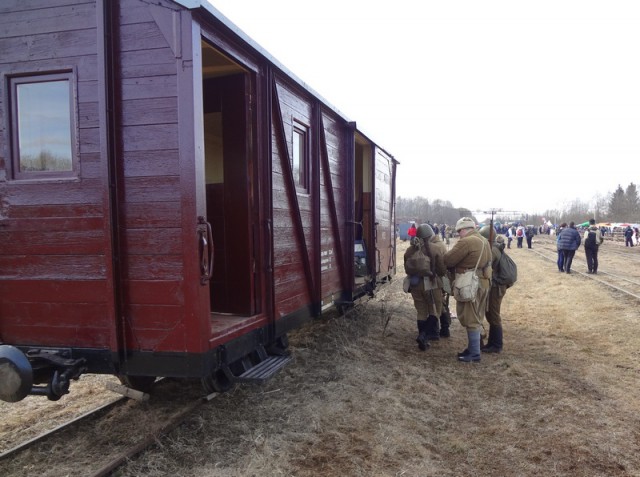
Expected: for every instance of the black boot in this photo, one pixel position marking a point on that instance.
(495, 340)
(422, 335)
(432, 328)
(445, 321)
(492, 331)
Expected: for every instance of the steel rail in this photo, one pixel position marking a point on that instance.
(49, 433)
(151, 438)
(591, 276)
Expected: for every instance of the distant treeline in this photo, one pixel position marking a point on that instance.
(620, 206)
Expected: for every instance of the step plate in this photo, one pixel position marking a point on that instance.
(264, 370)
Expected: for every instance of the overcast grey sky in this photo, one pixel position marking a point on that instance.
(488, 104)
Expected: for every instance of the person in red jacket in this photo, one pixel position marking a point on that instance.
(412, 231)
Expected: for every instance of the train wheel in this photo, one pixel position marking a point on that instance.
(218, 382)
(139, 383)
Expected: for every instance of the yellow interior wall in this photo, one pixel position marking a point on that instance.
(213, 157)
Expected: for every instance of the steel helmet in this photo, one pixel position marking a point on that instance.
(485, 231)
(424, 231)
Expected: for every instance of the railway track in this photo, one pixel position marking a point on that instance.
(617, 267)
(97, 443)
(62, 427)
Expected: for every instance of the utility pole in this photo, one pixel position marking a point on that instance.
(492, 231)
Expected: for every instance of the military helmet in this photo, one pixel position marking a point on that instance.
(485, 231)
(424, 231)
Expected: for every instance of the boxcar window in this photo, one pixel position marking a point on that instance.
(42, 126)
(300, 158)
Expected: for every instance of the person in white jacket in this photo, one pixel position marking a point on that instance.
(509, 236)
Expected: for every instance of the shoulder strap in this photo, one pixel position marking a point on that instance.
(479, 256)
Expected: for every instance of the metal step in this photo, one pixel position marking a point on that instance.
(263, 370)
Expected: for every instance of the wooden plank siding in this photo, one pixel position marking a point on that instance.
(292, 233)
(151, 210)
(54, 265)
(334, 190)
(384, 203)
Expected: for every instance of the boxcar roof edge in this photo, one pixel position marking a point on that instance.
(211, 10)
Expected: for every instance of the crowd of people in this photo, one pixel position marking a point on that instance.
(479, 251)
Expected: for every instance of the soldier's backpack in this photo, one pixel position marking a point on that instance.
(507, 271)
(417, 263)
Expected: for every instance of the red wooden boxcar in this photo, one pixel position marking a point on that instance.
(173, 201)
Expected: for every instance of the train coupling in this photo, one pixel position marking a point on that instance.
(20, 371)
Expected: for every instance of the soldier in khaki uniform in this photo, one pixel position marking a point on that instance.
(462, 257)
(427, 291)
(437, 322)
(494, 344)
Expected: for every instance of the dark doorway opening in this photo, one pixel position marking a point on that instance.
(230, 184)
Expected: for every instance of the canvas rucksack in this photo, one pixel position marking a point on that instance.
(507, 271)
(418, 264)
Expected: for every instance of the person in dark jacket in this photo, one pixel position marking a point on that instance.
(560, 261)
(569, 241)
(592, 241)
(628, 236)
(529, 235)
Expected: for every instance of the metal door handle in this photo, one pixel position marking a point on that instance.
(205, 250)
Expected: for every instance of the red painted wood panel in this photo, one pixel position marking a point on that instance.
(149, 87)
(67, 44)
(30, 5)
(154, 317)
(59, 336)
(45, 242)
(156, 241)
(68, 291)
(137, 112)
(151, 163)
(55, 315)
(146, 292)
(152, 189)
(88, 191)
(145, 64)
(151, 214)
(52, 267)
(154, 267)
(67, 17)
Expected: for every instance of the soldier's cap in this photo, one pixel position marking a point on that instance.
(465, 223)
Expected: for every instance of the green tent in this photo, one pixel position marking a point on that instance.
(583, 224)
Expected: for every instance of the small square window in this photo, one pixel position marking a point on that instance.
(300, 157)
(42, 126)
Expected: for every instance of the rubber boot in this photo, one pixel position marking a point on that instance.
(495, 340)
(444, 325)
(473, 348)
(422, 335)
(433, 332)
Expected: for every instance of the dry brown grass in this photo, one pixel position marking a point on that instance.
(559, 401)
